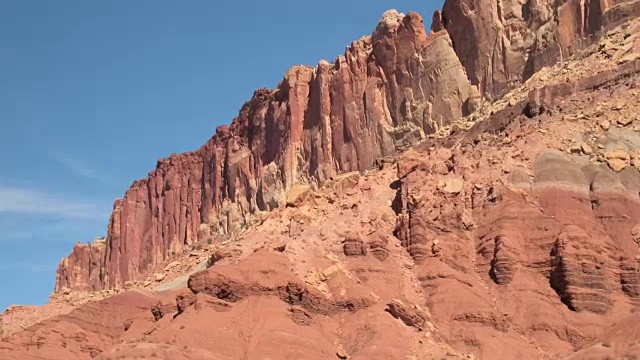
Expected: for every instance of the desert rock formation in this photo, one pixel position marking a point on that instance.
(385, 206)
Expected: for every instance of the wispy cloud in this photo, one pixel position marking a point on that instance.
(37, 202)
(43, 268)
(26, 265)
(80, 168)
(56, 230)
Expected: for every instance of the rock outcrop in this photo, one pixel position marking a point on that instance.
(83, 268)
(354, 246)
(388, 91)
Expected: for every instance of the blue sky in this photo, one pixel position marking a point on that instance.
(94, 92)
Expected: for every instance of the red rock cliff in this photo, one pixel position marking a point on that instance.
(386, 92)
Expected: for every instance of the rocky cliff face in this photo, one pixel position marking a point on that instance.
(386, 92)
(501, 43)
(389, 90)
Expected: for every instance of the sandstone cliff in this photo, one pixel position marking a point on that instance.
(389, 90)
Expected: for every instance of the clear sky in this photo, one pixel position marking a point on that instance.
(92, 93)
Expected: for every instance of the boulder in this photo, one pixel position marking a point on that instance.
(297, 195)
(353, 245)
